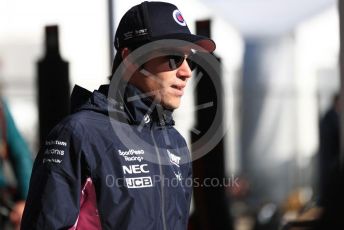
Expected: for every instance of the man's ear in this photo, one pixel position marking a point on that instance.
(130, 66)
(126, 58)
(125, 52)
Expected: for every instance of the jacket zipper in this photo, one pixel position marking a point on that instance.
(161, 183)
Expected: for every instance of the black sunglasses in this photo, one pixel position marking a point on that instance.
(175, 61)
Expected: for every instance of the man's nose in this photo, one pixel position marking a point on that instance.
(184, 70)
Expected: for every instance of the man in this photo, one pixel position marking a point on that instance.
(331, 186)
(329, 152)
(117, 162)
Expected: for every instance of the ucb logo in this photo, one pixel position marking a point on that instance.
(135, 169)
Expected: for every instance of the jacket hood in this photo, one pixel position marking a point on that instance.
(127, 106)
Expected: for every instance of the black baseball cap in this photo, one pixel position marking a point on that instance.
(152, 21)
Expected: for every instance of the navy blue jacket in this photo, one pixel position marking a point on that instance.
(138, 163)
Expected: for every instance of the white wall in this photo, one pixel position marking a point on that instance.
(83, 31)
(316, 74)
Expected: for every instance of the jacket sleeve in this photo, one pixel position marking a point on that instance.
(54, 194)
(19, 154)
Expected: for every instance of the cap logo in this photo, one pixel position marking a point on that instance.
(177, 16)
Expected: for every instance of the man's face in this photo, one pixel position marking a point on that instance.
(164, 78)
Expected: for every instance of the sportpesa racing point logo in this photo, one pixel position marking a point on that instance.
(206, 140)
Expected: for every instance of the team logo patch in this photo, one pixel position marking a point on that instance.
(174, 159)
(177, 16)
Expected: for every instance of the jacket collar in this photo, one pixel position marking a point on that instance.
(128, 105)
(139, 109)
(142, 110)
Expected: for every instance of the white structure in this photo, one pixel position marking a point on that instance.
(289, 81)
(316, 74)
(83, 37)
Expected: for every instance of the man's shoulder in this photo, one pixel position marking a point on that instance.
(79, 122)
(84, 117)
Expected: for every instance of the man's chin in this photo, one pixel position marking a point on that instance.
(171, 105)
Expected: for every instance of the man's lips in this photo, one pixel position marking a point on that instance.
(179, 89)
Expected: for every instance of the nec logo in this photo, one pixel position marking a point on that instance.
(139, 182)
(135, 169)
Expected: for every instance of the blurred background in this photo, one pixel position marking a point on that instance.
(280, 73)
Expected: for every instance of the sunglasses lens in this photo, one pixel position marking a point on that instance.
(175, 61)
(191, 64)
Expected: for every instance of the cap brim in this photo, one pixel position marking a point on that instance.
(205, 43)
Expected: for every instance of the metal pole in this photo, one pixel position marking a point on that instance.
(341, 63)
(111, 29)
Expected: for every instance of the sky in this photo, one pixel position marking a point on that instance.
(259, 18)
